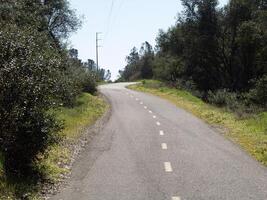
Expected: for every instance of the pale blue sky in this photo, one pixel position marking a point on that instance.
(130, 23)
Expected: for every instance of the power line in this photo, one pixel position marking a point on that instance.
(121, 4)
(114, 18)
(110, 17)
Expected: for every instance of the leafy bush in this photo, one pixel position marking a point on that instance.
(37, 74)
(74, 80)
(238, 103)
(223, 98)
(28, 81)
(89, 83)
(153, 84)
(167, 68)
(258, 95)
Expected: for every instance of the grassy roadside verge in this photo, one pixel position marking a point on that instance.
(249, 133)
(54, 162)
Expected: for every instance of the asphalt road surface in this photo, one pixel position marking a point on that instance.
(152, 150)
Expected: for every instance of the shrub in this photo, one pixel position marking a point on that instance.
(28, 81)
(36, 75)
(223, 98)
(153, 84)
(168, 68)
(89, 83)
(74, 80)
(258, 95)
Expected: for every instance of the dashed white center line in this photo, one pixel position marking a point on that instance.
(161, 132)
(164, 146)
(150, 111)
(154, 117)
(176, 198)
(141, 103)
(158, 123)
(145, 107)
(168, 167)
(137, 99)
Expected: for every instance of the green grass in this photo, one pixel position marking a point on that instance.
(249, 133)
(87, 110)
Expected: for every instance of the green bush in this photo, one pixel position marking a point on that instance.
(37, 74)
(240, 104)
(89, 83)
(28, 81)
(74, 80)
(258, 95)
(223, 98)
(167, 68)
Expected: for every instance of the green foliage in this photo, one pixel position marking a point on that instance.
(87, 109)
(139, 65)
(99, 74)
(258, 94)
(36, 75)
(28, 78)
(168, 68)
(210, 49)
(222, 98)
(61, 20)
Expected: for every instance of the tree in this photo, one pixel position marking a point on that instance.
(147, 56)
(35, 77)
(60, 19)
(29, 74)
(200, 31)
(133, 57)
(132, 69)
(73, 53)
(210, 50)
(108, 75)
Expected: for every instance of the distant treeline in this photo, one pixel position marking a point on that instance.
(37, 73)
(220, 54)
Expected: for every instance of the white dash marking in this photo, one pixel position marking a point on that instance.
(145, 107)
(158, 123)
(176, 198)
(154, 116)
(164, 146)
(150, 111)
(137, 99)
(168, 167)
(141, 103)
(161, 132)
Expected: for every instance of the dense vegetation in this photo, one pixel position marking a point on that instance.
(37, 74)
(219, 54)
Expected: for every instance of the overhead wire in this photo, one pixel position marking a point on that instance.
(109, 18)
(113, 18)
(120, 6)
